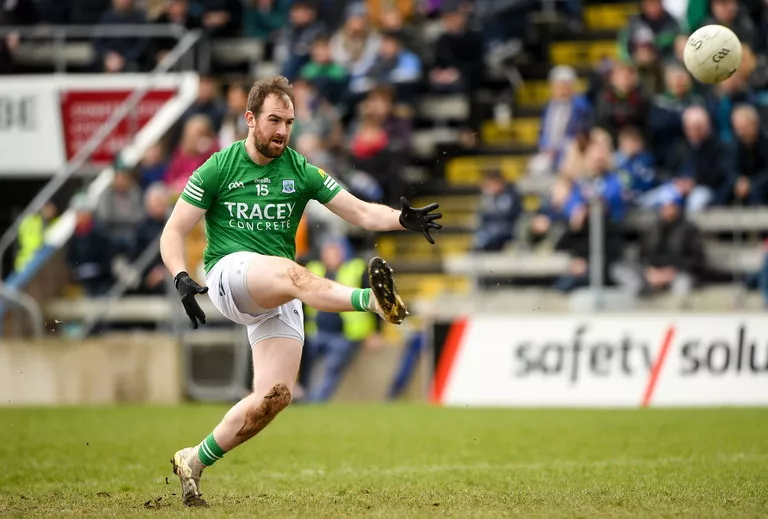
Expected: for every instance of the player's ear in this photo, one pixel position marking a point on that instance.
(250, 119)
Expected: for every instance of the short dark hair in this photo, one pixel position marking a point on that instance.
(278, 86)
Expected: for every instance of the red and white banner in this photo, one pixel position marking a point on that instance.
(45, 120)
(605, 361)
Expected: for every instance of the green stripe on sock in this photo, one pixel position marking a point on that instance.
(367, 299)
(209, 451)
(360, 298)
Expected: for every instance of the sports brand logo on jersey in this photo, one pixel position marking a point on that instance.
(289, 186)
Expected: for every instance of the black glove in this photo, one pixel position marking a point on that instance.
(188, 289)
(420, 219)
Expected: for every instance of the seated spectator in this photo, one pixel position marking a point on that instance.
(458, 54)
(121, 54)
(671, 253)
(396, 67)
(32, 234)
(622, 102)
(208, 103)
(723, 99)
(650, 70)
(391, 20)
(666, 118)
(234, 128)
(156, 208)
(152, 166)
(175, 12)
(89, 254)
(652, 19)
(337, 336)
(573, 165)
(296, 39)
(198, 143)
(699, 166)
(355, 46)
(500, 208)
(18, 12)
(635, 164)
(329, 78)
(119, 211)
(315, 116)
(221, 18)
(563, 115)
(750, 185)
(263, 19)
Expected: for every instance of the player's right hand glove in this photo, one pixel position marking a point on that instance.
(188, 289)
(420, 219)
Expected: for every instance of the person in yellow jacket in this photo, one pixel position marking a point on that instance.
(337, 337)
(32, 234)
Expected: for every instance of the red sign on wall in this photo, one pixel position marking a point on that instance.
(84, 112)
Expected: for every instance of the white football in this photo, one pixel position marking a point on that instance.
(712, 54)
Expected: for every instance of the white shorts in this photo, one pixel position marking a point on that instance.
(228, 291)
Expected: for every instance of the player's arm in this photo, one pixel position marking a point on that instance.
(183, 219)
(377, 217)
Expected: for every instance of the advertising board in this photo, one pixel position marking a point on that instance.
(605, 361)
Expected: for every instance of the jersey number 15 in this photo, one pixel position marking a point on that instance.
(261, 190)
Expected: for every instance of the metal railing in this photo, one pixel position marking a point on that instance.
(184, 46)
(60, 34)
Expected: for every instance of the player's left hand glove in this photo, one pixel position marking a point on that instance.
(420, 219)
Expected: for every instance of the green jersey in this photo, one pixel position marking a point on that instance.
(251, 207)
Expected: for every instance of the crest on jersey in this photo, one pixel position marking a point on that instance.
(289, 186)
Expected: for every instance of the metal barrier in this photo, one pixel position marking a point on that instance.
(186, 44)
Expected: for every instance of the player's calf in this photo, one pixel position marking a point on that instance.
(257, 418)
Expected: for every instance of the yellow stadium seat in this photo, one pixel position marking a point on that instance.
(522, 131)
(608, 17)
(463, 171)
(582, 54)
(536, 93)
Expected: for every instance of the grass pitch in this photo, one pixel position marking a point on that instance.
(391, 461)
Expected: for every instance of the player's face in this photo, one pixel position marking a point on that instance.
(272, 129)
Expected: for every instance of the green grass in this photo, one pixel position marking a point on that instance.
(392, 461)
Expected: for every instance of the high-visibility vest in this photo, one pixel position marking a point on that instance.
(356, 325)
(30, 239)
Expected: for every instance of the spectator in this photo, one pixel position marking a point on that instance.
(699, 165)
(622, 103)
(564, 114)
(394, 66)
(262, 19)
(315, 116)
(391, 20)
(221, 18)
(338, 337)
(119, 210)
(32, 234)
(750, 185)
(198, 143)
(208, 103)
(671, 253)
(649, 65)
(152, 166)
(296, 39)
(329, 78)
(500, 208)
(234, 128)
(666, 117)
(89, 255)
(121, 54)
(573, 166)
(156, 205)
(654, 26)
(18, 12)
(724, 98)
(635, 164)
(405, 9)
(176, 12)
(355, 47)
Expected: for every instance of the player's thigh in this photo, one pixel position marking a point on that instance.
(276, 345)
(272, 281)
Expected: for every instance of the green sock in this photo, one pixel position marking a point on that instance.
(209, 451)
(361, 299)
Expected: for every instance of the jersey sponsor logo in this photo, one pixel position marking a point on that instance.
(330, 183)
(194, 192)
(289, 186)
(255, 217)
(236, 185)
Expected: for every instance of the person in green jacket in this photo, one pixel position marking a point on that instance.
(337, 336)
(32, 233)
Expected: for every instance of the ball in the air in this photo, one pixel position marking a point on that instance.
(712, 54)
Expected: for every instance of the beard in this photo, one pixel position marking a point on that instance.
(266, 147)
